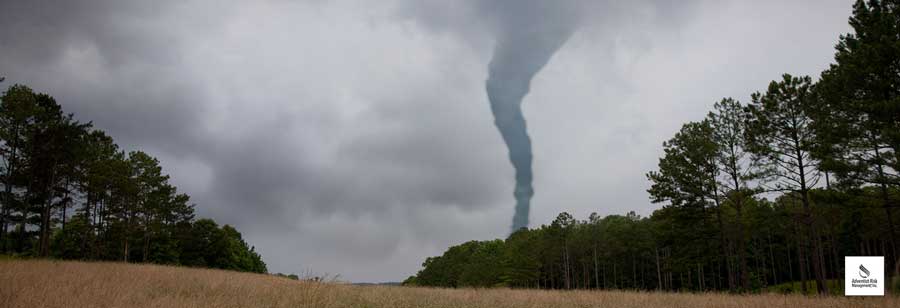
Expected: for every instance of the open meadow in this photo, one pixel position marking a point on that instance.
(41, 283)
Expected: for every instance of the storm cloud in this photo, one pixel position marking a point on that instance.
(355, 138)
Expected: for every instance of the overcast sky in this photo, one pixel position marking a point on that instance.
(355, 137)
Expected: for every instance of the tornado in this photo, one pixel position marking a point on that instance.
(525, 43)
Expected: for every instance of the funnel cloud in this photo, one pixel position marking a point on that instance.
(529, 33)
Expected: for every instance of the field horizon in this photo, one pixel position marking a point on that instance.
(52, 283)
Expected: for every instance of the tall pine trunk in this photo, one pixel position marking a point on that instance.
(742, 244)
(887, 205)
(44, 241)
(816, 256)
(7, 189)
(723, 243)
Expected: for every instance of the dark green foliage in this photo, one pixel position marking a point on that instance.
(687, 172)
(472, 264)
(122, 205)
(676, 249)
(858, 108)
(205, 244)
(70, 244)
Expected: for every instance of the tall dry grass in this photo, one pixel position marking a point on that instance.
(39, 283)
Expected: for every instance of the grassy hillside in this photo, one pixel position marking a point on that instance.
(37, 283)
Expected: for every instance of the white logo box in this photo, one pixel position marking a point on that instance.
(864, 276)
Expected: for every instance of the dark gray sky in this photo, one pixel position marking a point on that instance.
(355, 137)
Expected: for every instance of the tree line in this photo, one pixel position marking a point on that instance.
(755, 195)
(68, 191)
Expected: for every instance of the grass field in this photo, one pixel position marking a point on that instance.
(834, 286)
(40, 283)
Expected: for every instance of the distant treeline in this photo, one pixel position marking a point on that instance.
(68, 191)
(754, 195)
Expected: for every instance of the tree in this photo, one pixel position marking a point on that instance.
(728, 122)
(687, 170)
(780, 135)
(687, 178)
(96, 174)
(484, 268)
(17, 113)
(521, 260)
(152, 196)
(45, 155)
(204, 244)
(558, 252)
(858, 119)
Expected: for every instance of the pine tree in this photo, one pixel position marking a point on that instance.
(781, 137)
(858, 114)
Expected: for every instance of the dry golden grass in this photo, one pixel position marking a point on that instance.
(37, 283)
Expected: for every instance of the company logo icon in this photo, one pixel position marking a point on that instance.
(863, 271)
(864, 276)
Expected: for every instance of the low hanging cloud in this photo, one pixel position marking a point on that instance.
(357, 139)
